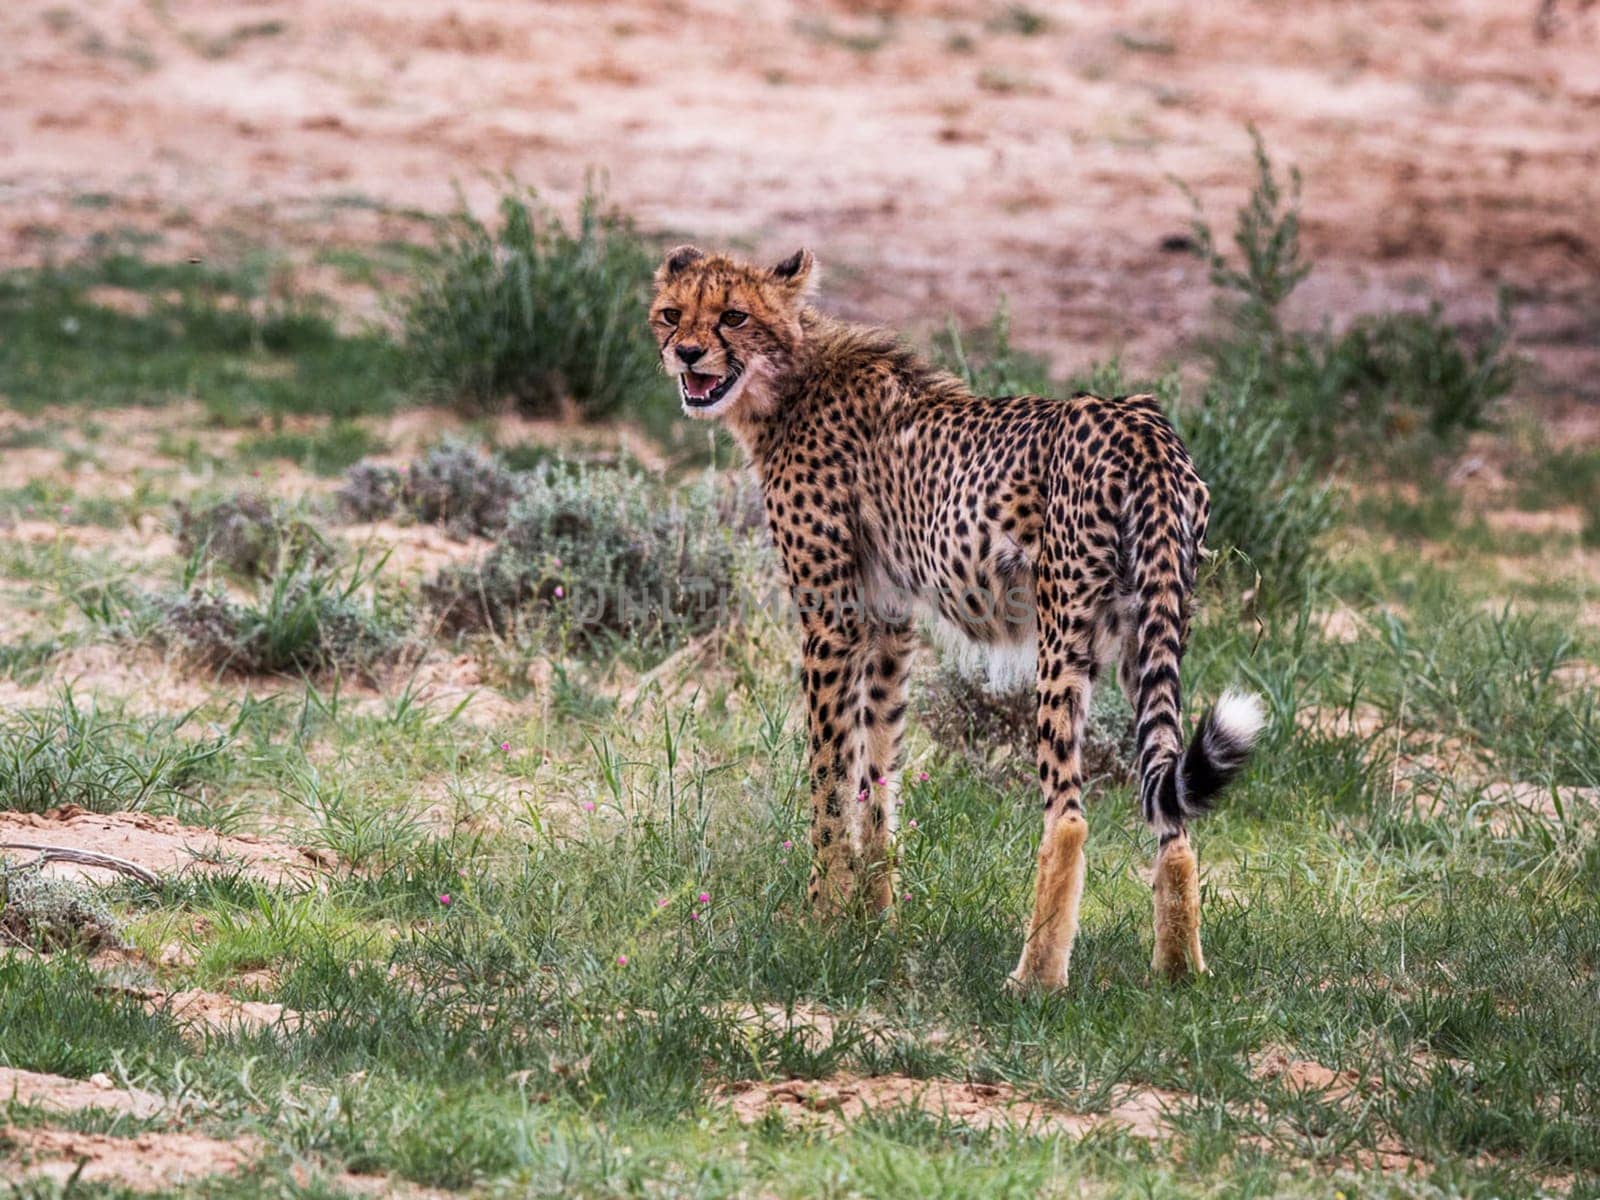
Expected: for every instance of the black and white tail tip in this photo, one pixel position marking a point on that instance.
(1220, 750)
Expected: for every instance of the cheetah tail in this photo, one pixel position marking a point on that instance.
(1176, 782)
(1219, 750)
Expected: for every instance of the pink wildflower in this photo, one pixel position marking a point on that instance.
(882, 781)
(506, 747)
(906, 897)
(588, 806)
(694, 916)
(911, 824)
(705, 897)
(663, 902)
(922, 777)
(787, 844)
(560, 591)
(444, 899)
(622, 960)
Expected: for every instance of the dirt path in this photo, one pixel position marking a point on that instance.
(934, 153)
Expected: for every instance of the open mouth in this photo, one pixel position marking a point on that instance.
(701, 391)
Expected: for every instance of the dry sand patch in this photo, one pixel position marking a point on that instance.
(144, 1162)
(834, 1103)
(148, 683)
(1302, 1075)
(159, 844)
(60, 1094)
(197, 1011)
(1451, 145)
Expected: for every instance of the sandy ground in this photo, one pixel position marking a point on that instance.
(159, 844)
(936, 158)
(830, 1103)
(145, 1162)
(60, 1094)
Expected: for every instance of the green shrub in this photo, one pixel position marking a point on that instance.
(456, 484)
(1396, 386)
(598, 554)
(1268, 506)
(47, 914)
(1400, 375)
(995, 730)
(249, 534)
(536, 314)
(71, 754)
(307, 618)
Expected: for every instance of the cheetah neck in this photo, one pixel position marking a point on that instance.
(858, 374)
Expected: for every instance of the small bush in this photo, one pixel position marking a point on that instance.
(67, 754)
(46, 914)
(304, 620)
(597, 553)
(370, 492)
(1396, 385)
(1270, 507)
(248, 534)
(995, 730)
(456, 484)
(461, 487)
(536, 314)
(1396, 379)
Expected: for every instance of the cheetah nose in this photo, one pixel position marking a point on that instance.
(690, 354)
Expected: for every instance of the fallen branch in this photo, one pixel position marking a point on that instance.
(84, 858)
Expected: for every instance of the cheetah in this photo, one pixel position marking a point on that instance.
(1051, 536)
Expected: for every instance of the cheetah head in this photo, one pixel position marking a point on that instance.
(727, 328)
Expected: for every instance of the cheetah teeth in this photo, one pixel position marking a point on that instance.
(717, 391)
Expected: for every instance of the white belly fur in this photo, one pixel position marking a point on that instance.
(1003, 666)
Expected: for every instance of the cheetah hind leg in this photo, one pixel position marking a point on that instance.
(1058, 891)
(1177, 919)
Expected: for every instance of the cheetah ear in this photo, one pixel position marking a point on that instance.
(677, 259)
(797, 273)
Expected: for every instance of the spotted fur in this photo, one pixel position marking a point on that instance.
(1058, 535)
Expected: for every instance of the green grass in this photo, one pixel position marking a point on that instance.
(535, 314)
(184, 332)
(73, 752)
(498, 1038)
(509, 984)
(325, 451)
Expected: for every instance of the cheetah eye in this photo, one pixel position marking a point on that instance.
(670, 315)
(733, 318)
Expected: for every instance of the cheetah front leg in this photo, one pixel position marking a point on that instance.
(882, 714)
(832, 661)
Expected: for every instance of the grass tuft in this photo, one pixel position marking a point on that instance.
(306, 618)
(535, 314)
(593, 555)
(248, 534)
(68, 753)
